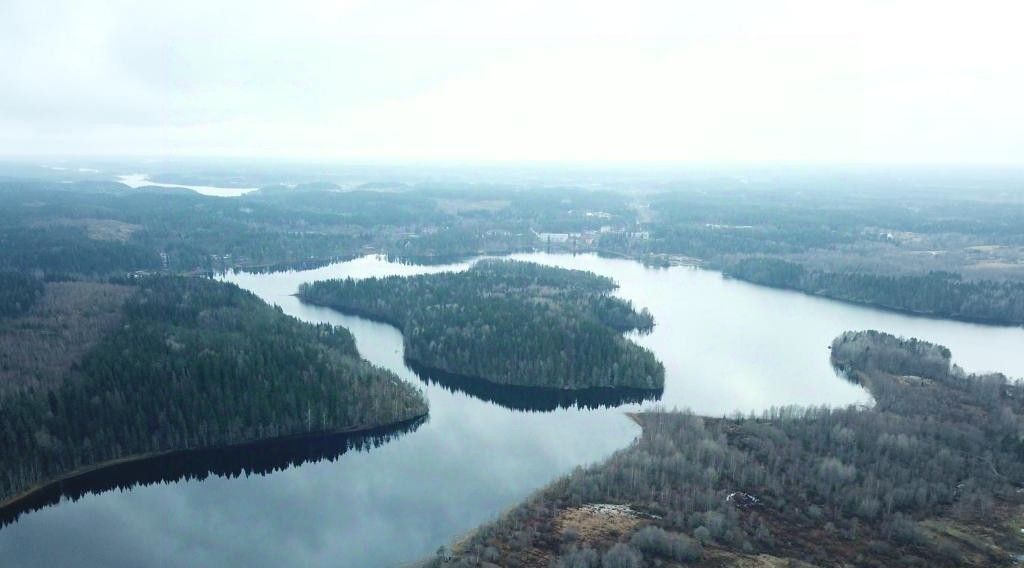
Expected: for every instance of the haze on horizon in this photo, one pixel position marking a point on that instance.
(732, 81)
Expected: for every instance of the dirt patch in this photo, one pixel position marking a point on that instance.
(110, 230)
(716, 557)
(100, 229)
(599, 523)
(982, 543)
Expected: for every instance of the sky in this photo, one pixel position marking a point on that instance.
(563, 81)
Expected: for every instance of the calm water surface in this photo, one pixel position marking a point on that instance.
(727, 346)
(142, 180)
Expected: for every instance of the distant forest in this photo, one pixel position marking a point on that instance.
(189, 363)
(511, 323)
(929, 476)
(959, 256)
(98, 229)
(18, 293)
(941, 294)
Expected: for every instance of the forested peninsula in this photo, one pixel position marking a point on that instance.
(97, 373)
(928, 476)
(937, 293)
(507, 322)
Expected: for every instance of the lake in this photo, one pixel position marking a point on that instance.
(142, 180)
(727, 346)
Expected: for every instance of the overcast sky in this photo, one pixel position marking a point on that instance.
(702, 81)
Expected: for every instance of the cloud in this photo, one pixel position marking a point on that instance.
(452, 79)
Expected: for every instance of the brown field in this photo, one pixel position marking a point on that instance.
(40, 348)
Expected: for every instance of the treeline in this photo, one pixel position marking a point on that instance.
(195, 363)
(62, 250)
(709, 224)
(510, 323)
(18, 293)
(923, 478)
(941, 294)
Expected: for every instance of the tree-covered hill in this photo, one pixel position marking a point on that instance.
(941, 294)
(929, 476)
(194, 363)
(510, 323)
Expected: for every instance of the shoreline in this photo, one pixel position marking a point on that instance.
(48, 484)
(701, 264)
(881, 307)
(675, 259)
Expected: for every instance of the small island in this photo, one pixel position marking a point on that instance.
(97, 375)
(507, 322)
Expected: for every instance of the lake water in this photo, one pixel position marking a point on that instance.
(142, 180)
(727, 346)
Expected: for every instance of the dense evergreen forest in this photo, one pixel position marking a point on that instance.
(942, 294)
(18, 293)
(929, 476)
(194, 363)
(511, 323)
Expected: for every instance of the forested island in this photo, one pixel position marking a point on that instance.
(99, 373)
(510, 323)
(928, 476)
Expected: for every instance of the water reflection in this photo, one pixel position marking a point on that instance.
(300, 265)
(258, 458)
(535, 399)
(429, 260)
(726, 345)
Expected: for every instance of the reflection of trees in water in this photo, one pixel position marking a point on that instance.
(429, 260)
(298, 265)
(258, 458)
(535, 399)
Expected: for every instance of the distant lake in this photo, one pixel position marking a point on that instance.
(142, 180)
(727, 346)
